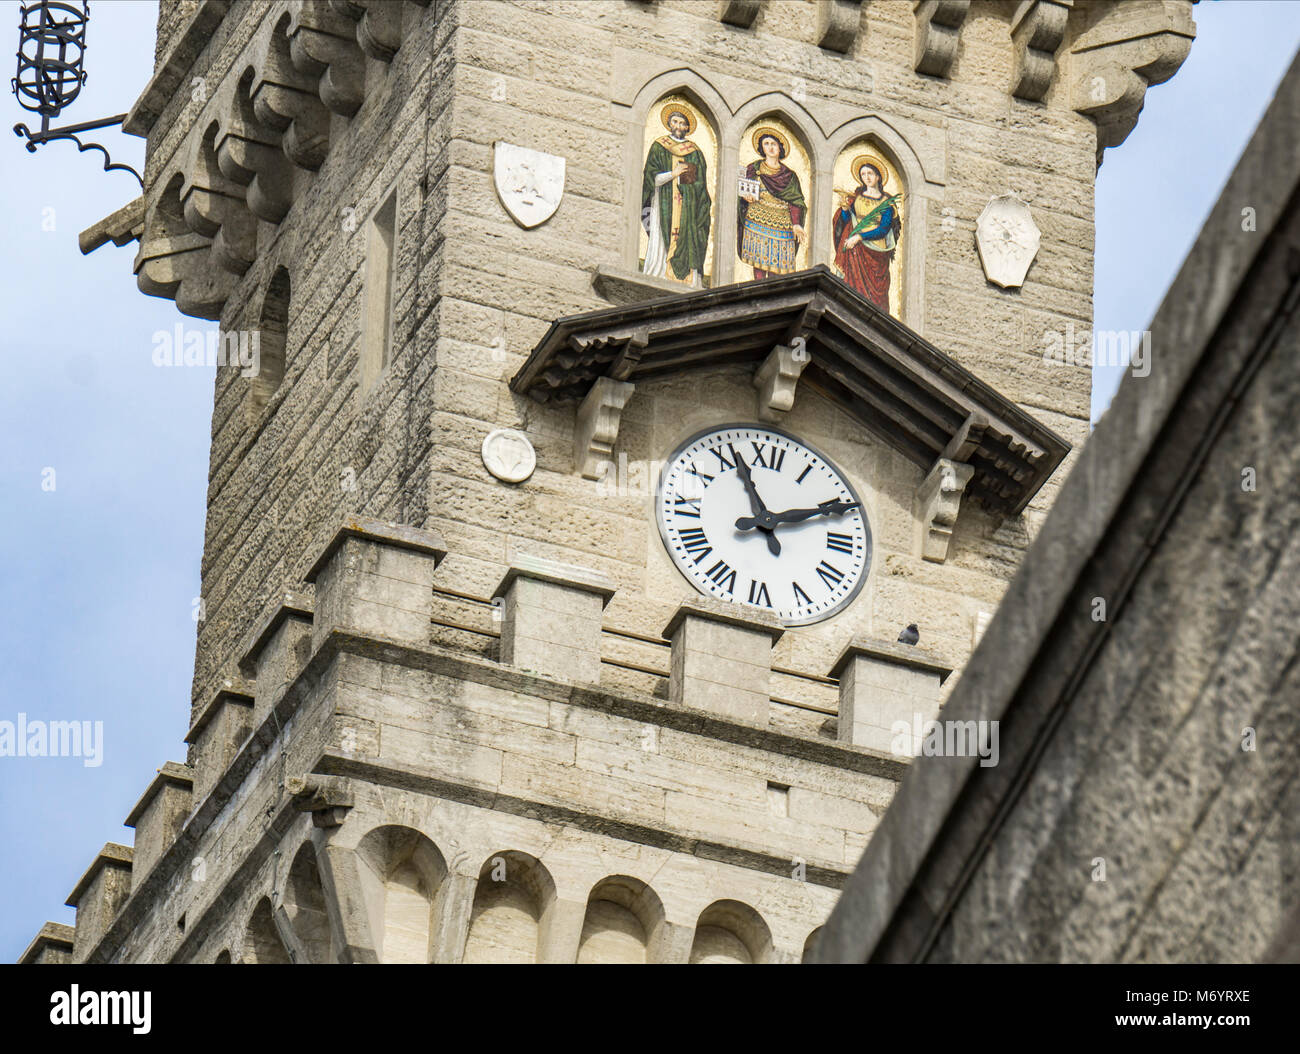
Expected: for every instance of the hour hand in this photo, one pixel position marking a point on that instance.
(762, 517)
(834, 507)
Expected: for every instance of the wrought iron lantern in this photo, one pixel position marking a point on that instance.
(51, 59)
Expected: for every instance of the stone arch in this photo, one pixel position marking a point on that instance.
(304, 902)
(223, 958)
(262, 942)
(704, 98)
(623, 922)
(728, 931)
(402, 878)
(272, 336)
(512, 902)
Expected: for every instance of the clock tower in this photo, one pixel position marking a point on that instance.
(630, 375)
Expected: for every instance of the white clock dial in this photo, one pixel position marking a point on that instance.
(750, 514)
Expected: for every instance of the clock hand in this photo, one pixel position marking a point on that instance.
(762, 517)
(826, 508)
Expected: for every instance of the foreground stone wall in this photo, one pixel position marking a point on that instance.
(1145, 806)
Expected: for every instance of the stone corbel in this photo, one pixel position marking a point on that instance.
(936, 504)
(379, 25)
(327, 798)
(837, 24)
(938, 32)
(596, 429)
(249, 153)
(1116, 58)
(285, 99)
(323, 43)
(175, 263)
(740, 13)
(214, 206)
(776, 379)
(1037, 29)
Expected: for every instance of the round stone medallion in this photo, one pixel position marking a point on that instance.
(509, 455)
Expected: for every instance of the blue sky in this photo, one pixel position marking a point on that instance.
(98, 577)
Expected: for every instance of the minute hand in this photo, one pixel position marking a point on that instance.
(826, 508)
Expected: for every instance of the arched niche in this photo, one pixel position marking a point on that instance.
(920, 167)
(304, 902)
(646, 124)
(623, 922)
(402, 876)
(728, 931)
(272, 338)
(513, 897)
(775, 191)
(678, 193)
(810, 944)
(262, 943)
(870, 224)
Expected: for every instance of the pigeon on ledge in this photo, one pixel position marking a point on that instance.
(909, 635)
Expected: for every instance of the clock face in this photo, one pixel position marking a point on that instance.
(748, 513)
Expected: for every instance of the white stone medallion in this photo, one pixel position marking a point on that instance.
(509, 455)
(1007, 239)
(529, 183)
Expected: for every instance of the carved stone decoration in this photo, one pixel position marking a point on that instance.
(529, 183)
(938, 32)
(938, 499)
(1119, 55)
(509, 455)
(1007, 239)
(1037, 29)
(776, 378)
(596, 429)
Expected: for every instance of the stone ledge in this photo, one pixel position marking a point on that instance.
(213, 707)
(112, 855)
(569, 575)
(741, 615)
(628, 287)
(381, 532)
(173, 773)
(171, 71)
(892, 652)
(288, 605)
(51, 935)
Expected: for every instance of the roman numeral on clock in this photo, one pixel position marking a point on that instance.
(723, 576)
(799, 595)
(776, 454)
(723, 457)
(704, 478)
(806, 470)
(695, 541)
(688, 507)
(758, 594)
(842, 543)
(832, 576)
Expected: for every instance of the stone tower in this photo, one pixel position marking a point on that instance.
(471, 682)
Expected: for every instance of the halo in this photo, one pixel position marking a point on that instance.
(767, 129)
(685, 111)
(875, 162)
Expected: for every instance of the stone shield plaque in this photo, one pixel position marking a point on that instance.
(529, 183)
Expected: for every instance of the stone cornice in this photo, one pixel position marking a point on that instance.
(891, 380)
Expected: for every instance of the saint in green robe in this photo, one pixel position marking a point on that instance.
(678, 227)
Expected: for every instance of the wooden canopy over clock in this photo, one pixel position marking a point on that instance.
(899, 386)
